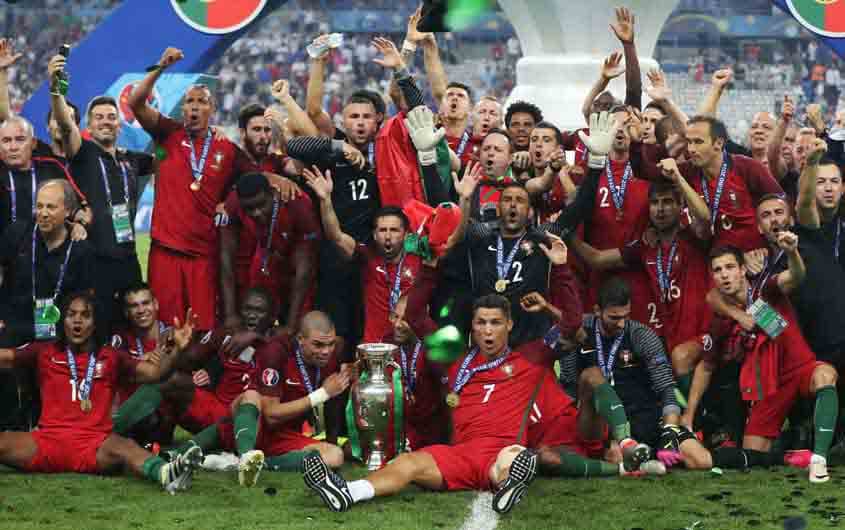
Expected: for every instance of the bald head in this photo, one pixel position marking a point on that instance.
(316, 322)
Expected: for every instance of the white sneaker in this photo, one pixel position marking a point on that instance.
(221, 462)
(249, 467)
(818, 469)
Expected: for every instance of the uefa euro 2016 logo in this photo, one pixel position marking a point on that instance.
(217, 16)
(823, 17)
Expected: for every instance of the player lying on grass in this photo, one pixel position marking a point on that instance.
(77, 378)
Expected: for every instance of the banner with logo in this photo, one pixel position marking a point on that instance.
(165, 98)
(824, 18)
(134, 36)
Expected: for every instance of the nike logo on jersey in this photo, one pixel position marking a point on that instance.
(491, 248)
(614, 407)
(289, 382)
(380, 269)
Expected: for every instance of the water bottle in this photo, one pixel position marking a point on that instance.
(321, 45)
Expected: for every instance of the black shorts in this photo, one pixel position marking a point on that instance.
(339, 292)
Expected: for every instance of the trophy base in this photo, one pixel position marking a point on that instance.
(375, 461)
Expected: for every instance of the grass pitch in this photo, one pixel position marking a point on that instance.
(761, 499)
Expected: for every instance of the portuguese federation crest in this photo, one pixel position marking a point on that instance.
(823, 17)
(217, 16)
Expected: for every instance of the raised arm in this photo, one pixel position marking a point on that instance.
(611, 68)
(322, 186)
(298, 121)
(697, 207)
(7, 59)
(147, 116)
(710, 103)
(807, 210)
(465, 188)
(661, 94)
(776, 163)
(796, 271)
(71, 139)
(169, 353)
(624, 30)
(314, 94)
(437, 78)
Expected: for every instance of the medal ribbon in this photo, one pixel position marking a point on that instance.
(503, 267)
(106, 181)
(836, 242)
(606, 363)
(617, 193)
(410, 372)
(720, 186)
(62, 270)
(196, 168)
(465, 373)
(139, 344)
(303, 372)
(14, 195)
(463, 145)
(266, 258)
(371, 154)
(664, 273)
(396, 289)
(768, 268)
(83, 389)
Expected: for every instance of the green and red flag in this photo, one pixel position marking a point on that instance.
(823, 17)
(218, 16)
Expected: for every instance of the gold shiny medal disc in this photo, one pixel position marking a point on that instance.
(195, 185)
(501, 285)
(85, 405)
(452, 399)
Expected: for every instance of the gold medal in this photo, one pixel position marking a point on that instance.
(619, 215)
(501, 285)
(195, 185)
(85, 405)
(452, 399)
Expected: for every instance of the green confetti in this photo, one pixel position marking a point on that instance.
(445, 345)
(161, 153)
(462, 14)
(446, 309)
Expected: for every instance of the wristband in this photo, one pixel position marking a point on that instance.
(409, 46)
(318, 397)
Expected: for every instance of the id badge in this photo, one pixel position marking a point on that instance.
(767, 319)
(122, 223)
(45, 328)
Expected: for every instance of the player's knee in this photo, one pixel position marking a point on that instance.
(503, 463)
(548, 456)
(251, 397)
(824, 375)
(697, 457)
(332, 455)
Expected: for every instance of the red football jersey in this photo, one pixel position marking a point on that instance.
(247, 240)
(183, 220)
(747, 180)
(128, 342)
(296, 225)
(60, 404)
(466, 146)
(683, 313)
(493, 402)
(607, 231)
(278, 374)
(378, 278)
(794, 350)
(238, 372)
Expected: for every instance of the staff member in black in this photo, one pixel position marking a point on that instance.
(20, 175)
(109, 178)
(511, 260)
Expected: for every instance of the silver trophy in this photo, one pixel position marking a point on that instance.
(373, 403)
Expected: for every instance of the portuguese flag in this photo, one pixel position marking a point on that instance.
(823, 15)
(219, 15)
